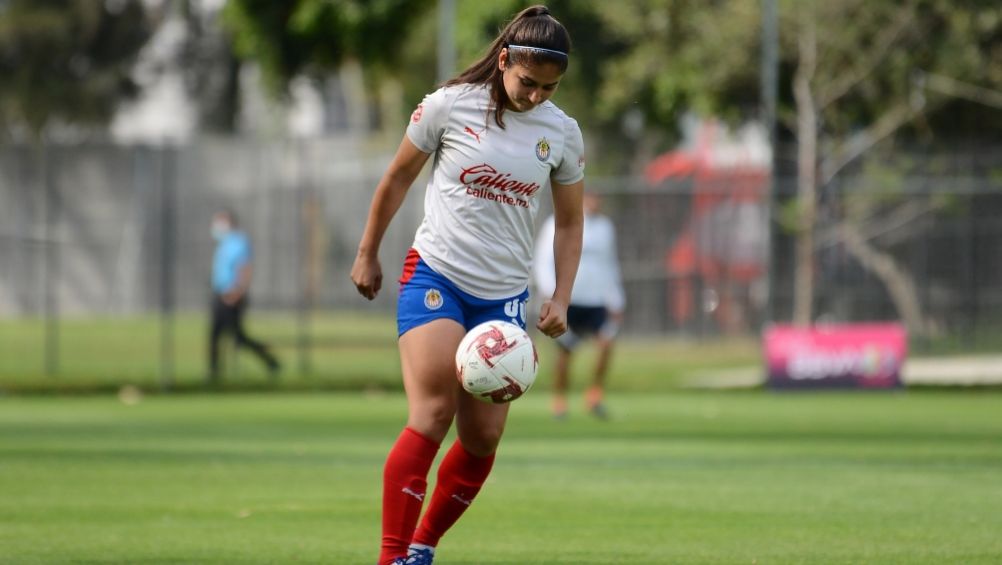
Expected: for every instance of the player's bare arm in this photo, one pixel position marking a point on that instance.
(366, 272)
(568, 217)
(234, 295)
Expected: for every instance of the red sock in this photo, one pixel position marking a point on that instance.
(460, 477)
(404, 485)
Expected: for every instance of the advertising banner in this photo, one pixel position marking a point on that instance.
(835, 356)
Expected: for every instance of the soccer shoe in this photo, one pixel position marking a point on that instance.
(599, 411)
(419, 555)
(559, 408)
(594, 401)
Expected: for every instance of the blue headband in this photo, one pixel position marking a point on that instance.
(554, 51)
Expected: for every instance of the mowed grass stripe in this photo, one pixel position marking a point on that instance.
(708, 477)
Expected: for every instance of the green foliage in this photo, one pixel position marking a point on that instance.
(788, 217)
(655, 59)
(996, 177)
(313, 36)
(67, 60)
(873, 57)
(882, 183)
(679, 56)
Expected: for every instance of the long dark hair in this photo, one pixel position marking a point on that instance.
(532, 27)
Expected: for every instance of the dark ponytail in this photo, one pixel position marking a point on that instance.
(543, 40)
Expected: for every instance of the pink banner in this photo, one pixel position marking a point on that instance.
(836, 356)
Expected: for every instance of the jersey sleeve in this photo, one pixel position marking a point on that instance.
(428, 121)
(570, 168)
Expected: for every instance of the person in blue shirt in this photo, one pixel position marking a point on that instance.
(231, 278)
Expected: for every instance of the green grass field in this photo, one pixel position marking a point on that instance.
(678, 477)
(349, 352)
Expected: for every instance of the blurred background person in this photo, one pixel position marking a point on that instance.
(231, 278)
(597, 302)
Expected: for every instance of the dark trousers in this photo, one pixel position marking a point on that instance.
(229, 318)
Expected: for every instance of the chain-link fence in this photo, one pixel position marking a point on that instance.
(122, 230)
(113, 231)
(910, 235)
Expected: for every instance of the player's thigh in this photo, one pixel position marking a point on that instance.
(427, 358)
(479, 424)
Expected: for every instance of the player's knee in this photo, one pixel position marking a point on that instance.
(433, 419)
(484, 441)
(441, 414)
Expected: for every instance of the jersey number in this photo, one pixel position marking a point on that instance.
(515, 309)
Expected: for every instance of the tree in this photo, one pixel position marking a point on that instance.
(211, 67)
(854, 74)
(289, 38)
(854, 87)
(66, 61)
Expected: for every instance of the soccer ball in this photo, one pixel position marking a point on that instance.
(496, 362)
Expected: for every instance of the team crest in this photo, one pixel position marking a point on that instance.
(432, 299)
(542, 149)
(416, 114)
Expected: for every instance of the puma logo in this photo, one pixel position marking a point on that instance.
(417, 495)
(475, 134)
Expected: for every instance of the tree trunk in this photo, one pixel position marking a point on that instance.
(900, 285)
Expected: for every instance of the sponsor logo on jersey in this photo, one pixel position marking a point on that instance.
(416, 115)
(484, 181)
(433, 299)
(486, 176)
(542, 149)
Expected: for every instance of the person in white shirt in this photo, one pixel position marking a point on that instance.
(499, 145)
(597, 302)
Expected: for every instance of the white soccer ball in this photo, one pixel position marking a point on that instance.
(496, 362)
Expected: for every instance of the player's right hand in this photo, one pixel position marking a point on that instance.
(367, 275)
(552, 318)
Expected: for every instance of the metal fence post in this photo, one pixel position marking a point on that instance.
(769, 74)
(306, 203)
(168, 257)
(50, 273)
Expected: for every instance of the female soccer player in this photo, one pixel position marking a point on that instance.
(498, 144)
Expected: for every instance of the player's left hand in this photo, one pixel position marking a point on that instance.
(367, 274)
(552, 318)
(230, 298)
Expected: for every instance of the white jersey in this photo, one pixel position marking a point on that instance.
(598, 282)
(483, 196)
